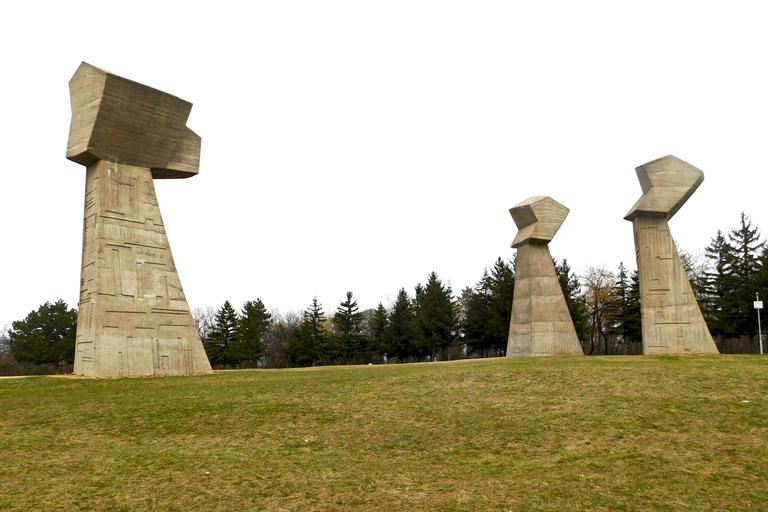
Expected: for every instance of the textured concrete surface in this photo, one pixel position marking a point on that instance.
(133, 319)
(672, 322)
(122, 121)
(541, 323)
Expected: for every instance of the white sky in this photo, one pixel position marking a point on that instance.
(361, 145)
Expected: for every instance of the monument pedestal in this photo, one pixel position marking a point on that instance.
(671, 319)
(541, 323)
(134, 319)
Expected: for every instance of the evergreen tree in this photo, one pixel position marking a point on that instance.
(45, 336)
(477, 303)
(747, 248)
(299, 349)
(624, 313)
(348, 324)
(715, 301)
(310, 342)
(574, 298)
(503, 291)
(436, 315)
(252, 327)
(418, 348)
(378, 327)
(732, 280)
(488, 309)
(634, 310)
(223, 332)
(400, 332)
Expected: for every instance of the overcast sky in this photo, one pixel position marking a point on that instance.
(361, 145)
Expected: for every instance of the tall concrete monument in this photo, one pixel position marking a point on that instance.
(671, 318)
(541, 324)
(133, 317)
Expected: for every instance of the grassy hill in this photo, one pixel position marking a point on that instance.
(588, 433)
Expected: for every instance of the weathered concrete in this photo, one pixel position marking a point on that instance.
(541, 323)
(672, 322)
(133, 319)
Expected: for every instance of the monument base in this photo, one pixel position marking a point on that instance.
(671, 318)
(541, 323)
(133, 318)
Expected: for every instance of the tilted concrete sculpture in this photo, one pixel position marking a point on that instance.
(671, 319)
(541, 323)
(133, 317)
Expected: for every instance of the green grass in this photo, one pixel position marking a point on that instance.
(589, 433)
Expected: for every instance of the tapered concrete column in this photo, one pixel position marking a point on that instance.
(541, 323)
(672, 322)
(133, 318)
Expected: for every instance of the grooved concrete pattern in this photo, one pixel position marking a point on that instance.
(672, 322)
(541, 323)
(133, 318)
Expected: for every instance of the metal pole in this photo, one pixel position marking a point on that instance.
(759, 328)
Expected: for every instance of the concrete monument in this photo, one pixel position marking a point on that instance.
(541, 323)
(133, 317)
(671, 318)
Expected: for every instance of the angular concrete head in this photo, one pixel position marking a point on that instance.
(667, 184)
(122, 121)
(537, 219)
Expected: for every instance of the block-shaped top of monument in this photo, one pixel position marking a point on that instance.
(537, 219)
(667, 184)
(122, 121)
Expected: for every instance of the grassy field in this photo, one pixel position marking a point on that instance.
(589, 433)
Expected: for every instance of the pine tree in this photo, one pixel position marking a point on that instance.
(716, 299)
(747, 247)
(574, 298)
(624, 313)
(348, 324)
(488, 309)
(503, 291)
(299, 349)
(378, 328)
(732, 280)
(634, 310)
(251, 330)
(477, 303)
(311, 341)
(223, 332)
(400, 332)
(436, 315)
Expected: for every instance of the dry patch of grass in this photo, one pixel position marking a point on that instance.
(617, 433)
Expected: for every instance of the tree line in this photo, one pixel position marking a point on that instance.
(432, 323)
(421, 327)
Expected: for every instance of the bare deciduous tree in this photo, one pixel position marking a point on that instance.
(278, 335)
(204, 318)
(599, 286)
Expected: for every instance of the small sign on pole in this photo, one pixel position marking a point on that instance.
(758, 306)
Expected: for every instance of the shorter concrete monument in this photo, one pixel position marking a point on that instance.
(672, 322)
(541, 323)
